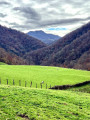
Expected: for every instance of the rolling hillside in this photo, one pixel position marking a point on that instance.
(36, 74)
(72, 51)
(16, 43)
(44, 37)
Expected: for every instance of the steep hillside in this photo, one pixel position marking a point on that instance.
(44, 37)
(17, 43)
(11, 58)
(70, 51)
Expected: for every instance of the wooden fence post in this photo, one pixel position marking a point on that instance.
(19, 82)
(41, 86)
(7, 81)
(31, 84)
(13, 82)
(0, 80)
(36, 85)
(58, 87)
(25, 83)
(50, 86)
(46, 86)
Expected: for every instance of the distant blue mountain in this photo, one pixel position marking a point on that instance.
(44, 37)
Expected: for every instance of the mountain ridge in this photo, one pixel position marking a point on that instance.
(44, 37)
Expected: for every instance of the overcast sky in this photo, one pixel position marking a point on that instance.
(52, 16)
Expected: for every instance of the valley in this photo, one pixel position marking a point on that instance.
(44, 60)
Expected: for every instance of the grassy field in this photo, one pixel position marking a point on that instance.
(50, 75)
(24, 103)
(20, 103)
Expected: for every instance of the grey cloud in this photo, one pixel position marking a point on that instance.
(28, 12)
(4, 3)
(62, 22)
(41, 24)
(2, 15)
(23, 26)
(45, 1)
(13, 24)
(88, 18)
(58, 4)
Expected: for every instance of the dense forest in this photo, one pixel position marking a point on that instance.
(11, 58)
(71, 51)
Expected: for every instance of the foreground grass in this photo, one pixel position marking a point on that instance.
(50, 75)
(20, 103)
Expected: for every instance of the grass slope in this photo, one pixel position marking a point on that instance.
(50, 75)
(20, 103)
(85, 88)
(2, 63)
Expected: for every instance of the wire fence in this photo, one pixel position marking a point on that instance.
(25, 84)
(45, 86)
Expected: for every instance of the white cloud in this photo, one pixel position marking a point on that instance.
(26, 15)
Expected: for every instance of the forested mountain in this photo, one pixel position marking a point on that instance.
(73, 51)
(44, 37)
(16, 44)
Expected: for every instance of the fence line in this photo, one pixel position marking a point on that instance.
(62, 87)
(25, 84)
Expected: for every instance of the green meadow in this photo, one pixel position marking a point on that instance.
(23, 103)
(50, 75)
